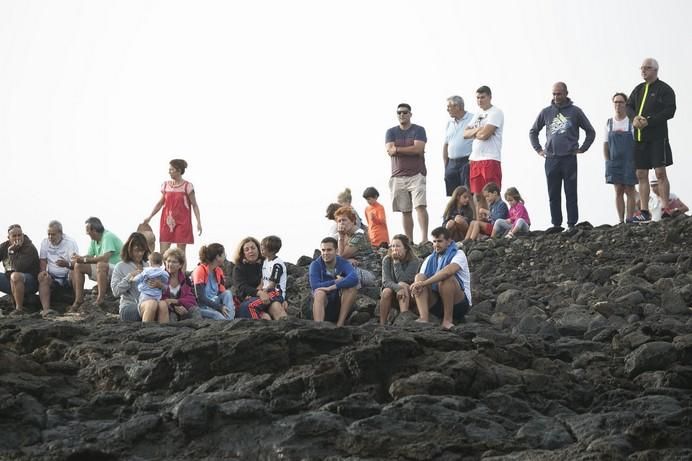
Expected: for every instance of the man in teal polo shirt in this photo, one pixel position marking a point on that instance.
(98, 264)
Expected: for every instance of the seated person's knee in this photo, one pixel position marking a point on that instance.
(102, 267)
(448, 283)
(349, 291)
(320, 296)
(420, 277)
(17, 277)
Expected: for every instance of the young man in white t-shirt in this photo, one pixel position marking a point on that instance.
(443, 285)
(485, 128)
(55, 258)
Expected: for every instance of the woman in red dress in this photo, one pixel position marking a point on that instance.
(178, 201)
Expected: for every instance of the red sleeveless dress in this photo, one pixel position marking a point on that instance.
(176, 216)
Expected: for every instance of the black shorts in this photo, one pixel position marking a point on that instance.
(332, 309)
(652, 154)
(458, 313)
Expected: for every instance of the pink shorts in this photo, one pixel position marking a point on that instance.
(487, 228)
(482, 172)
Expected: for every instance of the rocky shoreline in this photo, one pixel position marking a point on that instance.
(578, 347)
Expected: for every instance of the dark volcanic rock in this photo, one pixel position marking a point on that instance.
(579, 347)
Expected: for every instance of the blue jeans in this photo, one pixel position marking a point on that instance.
(456, 174)
(502, 226)
(30, 283)
(559, 170)
(225, 298)
(129, 312)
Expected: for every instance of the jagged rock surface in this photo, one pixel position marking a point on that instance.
(579, 347)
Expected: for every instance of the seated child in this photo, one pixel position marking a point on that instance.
(518, 221)
(377, 222)
(331, 209)
(459, 213)
(155, 271)
(486, 218)
(271, 302)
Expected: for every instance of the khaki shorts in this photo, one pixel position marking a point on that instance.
(92, 275)
(408, 192)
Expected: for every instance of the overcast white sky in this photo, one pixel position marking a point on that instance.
(277, 106)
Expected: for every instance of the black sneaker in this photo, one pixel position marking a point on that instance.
(641, 217)
(554, 230)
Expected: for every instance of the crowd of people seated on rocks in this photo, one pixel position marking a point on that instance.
(155, 287)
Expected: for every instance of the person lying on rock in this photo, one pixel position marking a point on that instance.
(333, 281)
(675, 205)
(20, 260)
(102, 256)
(443, 285)
(399, 269)
(56, 268)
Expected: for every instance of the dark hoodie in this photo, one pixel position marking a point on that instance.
(24, 259)
(562, 130)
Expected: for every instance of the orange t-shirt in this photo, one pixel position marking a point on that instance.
(377, 224)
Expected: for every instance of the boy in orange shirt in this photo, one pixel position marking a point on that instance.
(377, 222)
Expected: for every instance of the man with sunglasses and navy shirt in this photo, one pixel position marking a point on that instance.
(405, 145)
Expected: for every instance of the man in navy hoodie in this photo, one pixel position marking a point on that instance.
(562, 120)
(334, 284)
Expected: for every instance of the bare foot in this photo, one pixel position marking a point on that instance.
(422, 321)
(447, 325)
(75, 305)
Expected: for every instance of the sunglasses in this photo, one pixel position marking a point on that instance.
(402, 112)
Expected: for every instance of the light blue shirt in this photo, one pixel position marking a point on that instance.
(150, 273)
(457, 146)
(212, 288)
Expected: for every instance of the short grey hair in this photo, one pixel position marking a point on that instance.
(456, 100)
(653, 63)
(55, 224)
(95, 225)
